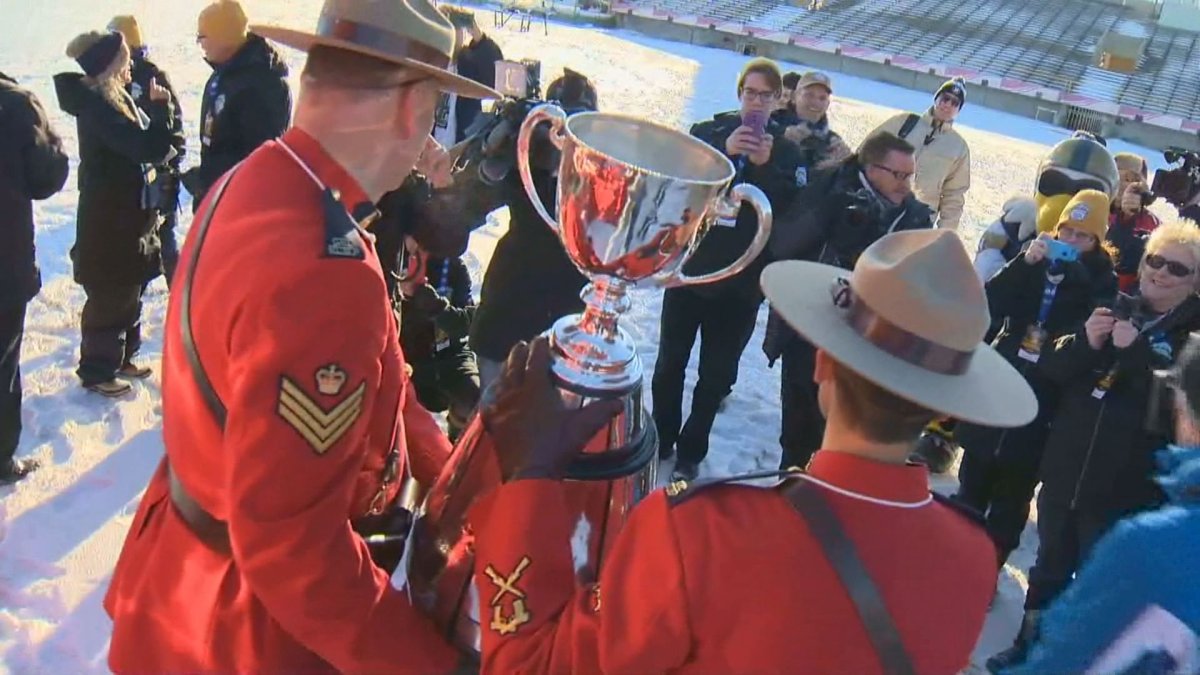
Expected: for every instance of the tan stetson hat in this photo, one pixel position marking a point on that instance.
(409, 32)
(910, 318)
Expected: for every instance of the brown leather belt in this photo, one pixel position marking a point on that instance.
(211, 532)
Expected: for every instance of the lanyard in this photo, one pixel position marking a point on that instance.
(444, 279)
(1048, 293)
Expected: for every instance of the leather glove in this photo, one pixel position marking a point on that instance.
(427, 301)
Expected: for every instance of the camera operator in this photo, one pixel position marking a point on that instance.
(1098, 462)
(476, 60)
(722, 313)
(1130, 222)
(530, 282)
(839, 214)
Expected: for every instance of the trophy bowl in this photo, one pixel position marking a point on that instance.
(634, 200)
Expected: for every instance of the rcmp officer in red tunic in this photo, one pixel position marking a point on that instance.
(847, 568)
(287, 412)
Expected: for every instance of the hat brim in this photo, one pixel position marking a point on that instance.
(991, 392)
(447, 81)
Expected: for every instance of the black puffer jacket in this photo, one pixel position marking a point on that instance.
(819, 226)
(1099, 456)
(1014, 300)
(722, 245)
(246, 103)
(425, 334)
(32, 166)
(116, 236)
(477, 61)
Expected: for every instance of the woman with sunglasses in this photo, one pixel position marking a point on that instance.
(1042, 294)
(1098, 464)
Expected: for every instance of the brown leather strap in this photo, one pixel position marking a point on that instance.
(211, 532)
(808, 500)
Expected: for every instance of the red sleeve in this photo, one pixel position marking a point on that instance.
(428, 447)
(536, 617)
(296, 442)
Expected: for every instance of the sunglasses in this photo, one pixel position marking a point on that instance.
(947, 98)
(899, 175)
(1175, 268)
(1056, 183)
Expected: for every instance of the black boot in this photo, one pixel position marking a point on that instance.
(936, 449)
(1019, 651)
(16, 469)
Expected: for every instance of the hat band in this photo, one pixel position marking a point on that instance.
(380, 40)
(896, 341)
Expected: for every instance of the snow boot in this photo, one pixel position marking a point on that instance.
(16, 469)
(936, 449)
(685, 471)
(132, 371)
(110, 389)
(1019, 651)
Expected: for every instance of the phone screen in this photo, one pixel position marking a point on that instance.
(756, 120)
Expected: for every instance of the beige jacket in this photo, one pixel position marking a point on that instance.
(943, 167)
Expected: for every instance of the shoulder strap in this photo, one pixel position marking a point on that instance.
(215, 406)
(807, 499)
(910, 123)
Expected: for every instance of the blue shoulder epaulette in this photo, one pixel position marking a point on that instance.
(682, 490)
(964, 510)
(342, 238)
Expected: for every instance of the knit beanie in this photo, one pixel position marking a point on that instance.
(956, 88)
(1087, 212)
(96, 52)
(1128, 161)
(128, 26)
(223, 22)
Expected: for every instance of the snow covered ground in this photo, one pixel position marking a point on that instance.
(61, 530)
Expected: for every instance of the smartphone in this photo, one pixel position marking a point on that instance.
(1125, 307)
(1060, 251)
(756, 120)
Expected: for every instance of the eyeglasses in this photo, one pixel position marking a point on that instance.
(900, 175)
(762, 96)
(1174, 267)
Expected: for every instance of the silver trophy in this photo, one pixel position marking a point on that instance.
(635, 200)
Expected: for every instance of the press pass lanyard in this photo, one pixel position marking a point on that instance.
(1048, 292)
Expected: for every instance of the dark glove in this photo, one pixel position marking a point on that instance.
(191, 181)
(428, 302)
(535, 434)
(168, 191)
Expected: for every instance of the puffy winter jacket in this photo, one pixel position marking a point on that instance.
(1128, 234)
(246, 103)
(425, 335)
(32, 166)
(777, 179)
(116, 235)
(1135, 602)
(943, 165)
(818, 226)
(1099, 455)
(1015, 299)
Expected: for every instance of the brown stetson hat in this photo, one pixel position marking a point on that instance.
(412, 33)
(911, 318)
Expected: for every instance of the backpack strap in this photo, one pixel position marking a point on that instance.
(910, 123)
(841, 553)
(211, 399)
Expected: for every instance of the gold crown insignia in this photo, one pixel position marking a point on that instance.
(330, 380)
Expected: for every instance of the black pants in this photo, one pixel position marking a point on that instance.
(998, 480)
(448, 381)
(12, 329)
(1066, 537)
(170, 247)
(803, 425)
(725, 326)
(111, 327)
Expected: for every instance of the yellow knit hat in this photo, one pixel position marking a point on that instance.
(223, 22)
(128, 26)
(1087, 212)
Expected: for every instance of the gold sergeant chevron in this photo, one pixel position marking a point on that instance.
(320, 428)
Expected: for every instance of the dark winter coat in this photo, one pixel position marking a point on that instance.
(1014, 299)
(144, 72)
(530, 282)
(1128, 235)
(426, 333)
(246, 103)
(815, 147)
(476, 61)
(32, 166)
(116, 236)
(827, 223)
(1099, 456)
(722, 245)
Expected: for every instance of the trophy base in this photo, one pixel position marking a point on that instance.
(593, 356)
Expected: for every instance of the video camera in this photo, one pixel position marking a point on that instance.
(496, 132)
(1178, 185)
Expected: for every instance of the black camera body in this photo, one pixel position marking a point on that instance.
(1178, 185)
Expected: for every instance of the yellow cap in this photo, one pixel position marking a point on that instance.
(223, 22)
(128, 26)
(1087, 212)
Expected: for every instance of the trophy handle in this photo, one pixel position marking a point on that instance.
(727, 207)
(546, 112)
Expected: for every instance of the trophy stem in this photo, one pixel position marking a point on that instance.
(606, 300)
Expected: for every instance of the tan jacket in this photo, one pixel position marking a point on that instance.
(943, 167)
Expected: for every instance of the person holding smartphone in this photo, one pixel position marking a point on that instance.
(722, 313)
